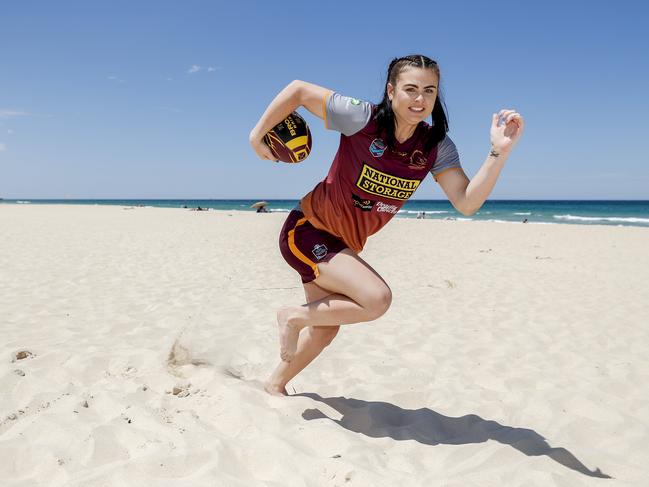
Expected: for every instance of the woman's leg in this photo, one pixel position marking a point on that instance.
(311, 342)
(358, 294)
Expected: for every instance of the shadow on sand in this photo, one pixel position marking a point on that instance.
(384, 420)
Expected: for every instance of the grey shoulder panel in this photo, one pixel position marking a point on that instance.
(447, 156)
(347, 115)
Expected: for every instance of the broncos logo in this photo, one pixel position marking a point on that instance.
(417, 160)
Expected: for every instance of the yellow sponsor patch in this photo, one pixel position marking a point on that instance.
(379, 183)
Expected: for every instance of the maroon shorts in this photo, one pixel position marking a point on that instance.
(303, 246)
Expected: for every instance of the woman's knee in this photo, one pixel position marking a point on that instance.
(379, 301)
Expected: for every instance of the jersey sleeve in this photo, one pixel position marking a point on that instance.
(346, 115)
(447, 157)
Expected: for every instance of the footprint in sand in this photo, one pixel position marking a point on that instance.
(35, 408)
(22, 355)
(181, 390)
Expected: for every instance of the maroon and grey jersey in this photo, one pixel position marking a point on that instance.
(368, 183)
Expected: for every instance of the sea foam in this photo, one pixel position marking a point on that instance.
(602, 218)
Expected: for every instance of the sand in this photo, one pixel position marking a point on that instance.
(512, 355)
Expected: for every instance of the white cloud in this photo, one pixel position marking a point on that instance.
(198, 68)
(115, 78)
(10, 131)
(6, 113)
(3, 147)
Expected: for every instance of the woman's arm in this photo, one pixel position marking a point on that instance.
(467, 196)
(297, 93)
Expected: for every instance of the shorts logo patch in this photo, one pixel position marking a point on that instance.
(363, 204)
(377, 147)
(319, 251)
(356, 101)
(379, 183)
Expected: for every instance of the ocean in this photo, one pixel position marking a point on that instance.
(589, 212)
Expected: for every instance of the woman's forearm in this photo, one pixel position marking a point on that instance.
(284, 104)
(483, 182)
(506, 128)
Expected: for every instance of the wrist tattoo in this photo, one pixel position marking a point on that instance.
(494, 153)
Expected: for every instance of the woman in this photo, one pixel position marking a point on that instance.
(385, 152)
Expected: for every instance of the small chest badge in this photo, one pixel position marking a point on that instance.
(417, 160)
(377, 147)
(320, 250)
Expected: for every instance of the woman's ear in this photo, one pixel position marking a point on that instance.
(390, 90)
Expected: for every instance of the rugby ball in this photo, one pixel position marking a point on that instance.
(290, 140)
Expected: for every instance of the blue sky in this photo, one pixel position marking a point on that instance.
(124, 99)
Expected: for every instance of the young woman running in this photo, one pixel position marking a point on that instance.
(385, 152)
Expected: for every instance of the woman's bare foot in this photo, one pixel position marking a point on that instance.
(275, 390)
(289, 333)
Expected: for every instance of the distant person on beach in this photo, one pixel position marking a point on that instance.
(385, 151)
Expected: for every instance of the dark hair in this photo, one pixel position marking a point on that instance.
(385, 116)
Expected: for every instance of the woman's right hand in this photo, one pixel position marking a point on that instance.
(261, 148)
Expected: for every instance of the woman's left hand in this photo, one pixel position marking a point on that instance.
(506, 128)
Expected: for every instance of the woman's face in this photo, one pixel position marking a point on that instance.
(413, 98)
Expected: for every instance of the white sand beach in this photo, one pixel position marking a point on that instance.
(512, 355)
